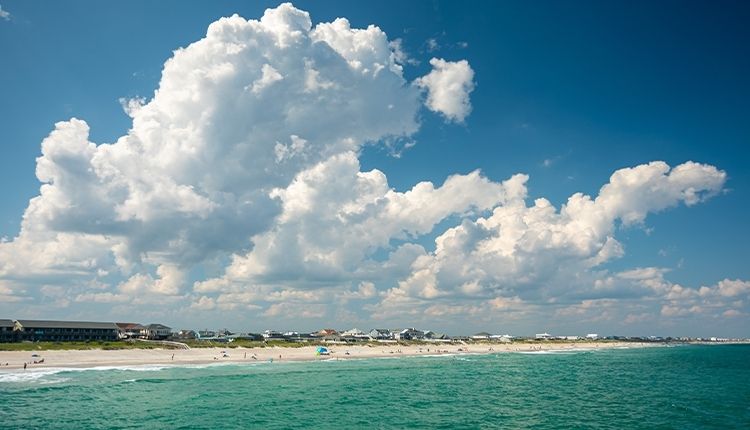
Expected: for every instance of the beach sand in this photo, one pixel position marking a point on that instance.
(136, 357)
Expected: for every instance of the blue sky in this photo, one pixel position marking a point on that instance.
(565, 93)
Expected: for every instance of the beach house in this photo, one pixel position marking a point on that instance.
(504, 338)
(57, 331)
(293, 336)
(483, 335)
(186, 335)
(6, 331)
(128, 330)
(156, 332)
(273, 335)
(327, 332)
(410, 334)
(354, 335)
(380, 334)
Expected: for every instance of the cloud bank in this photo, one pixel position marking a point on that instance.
(238, 191)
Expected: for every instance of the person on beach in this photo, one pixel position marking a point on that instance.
(24, 365)
(172, 357)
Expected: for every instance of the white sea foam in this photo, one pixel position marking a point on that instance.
(31, 375)
(27, 376)
(437, 355)
(546, 352)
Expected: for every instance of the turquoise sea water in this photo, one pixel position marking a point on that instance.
(686, 387)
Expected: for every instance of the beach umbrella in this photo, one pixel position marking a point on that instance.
(321, 350)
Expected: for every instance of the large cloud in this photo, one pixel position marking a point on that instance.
(520, 248)
(236, 115)
(539, 255)
(334, 217)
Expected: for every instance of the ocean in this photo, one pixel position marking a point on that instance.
(682, 387)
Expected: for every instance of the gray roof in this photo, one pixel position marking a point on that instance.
(67, 324)
(128, 326)
(157, 327)
(6, 323)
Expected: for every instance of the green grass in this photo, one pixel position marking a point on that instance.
(61, 346)
(244, 344)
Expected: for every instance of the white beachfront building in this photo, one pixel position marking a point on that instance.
(410, 334)
(355, 334)
(380, 334)
(505, 338)
(481, 336)
(156, 331)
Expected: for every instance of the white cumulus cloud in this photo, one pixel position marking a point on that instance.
(541, 253)
(191, 180)
(448, 87)
(4, 14)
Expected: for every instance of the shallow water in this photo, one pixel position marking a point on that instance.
(688, 387)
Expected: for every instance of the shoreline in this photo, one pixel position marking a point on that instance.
(95, 358)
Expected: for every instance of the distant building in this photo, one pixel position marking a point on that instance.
(273, 335)
(504, 338)
(300, 337)
(410, 334)
(186, 335)
(543, 336)
(481, 336)
(61, 331)
(354, 334)
(156, 332)
(592, 336)
(436, 337)
(206, 333)
(6, 331)
(380, 334)
(129, 330)
(327, 332)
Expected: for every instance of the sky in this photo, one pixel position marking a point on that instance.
(509, 167)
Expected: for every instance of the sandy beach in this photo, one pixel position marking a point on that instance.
(14, 360)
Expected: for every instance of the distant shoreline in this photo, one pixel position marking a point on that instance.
(141, 357)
